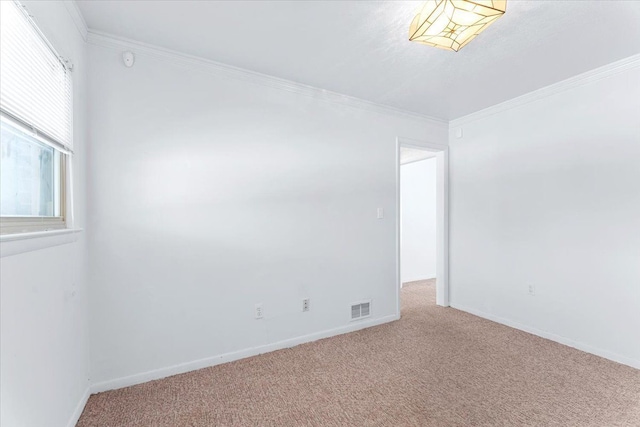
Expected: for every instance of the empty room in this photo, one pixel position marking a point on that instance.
(319, 213)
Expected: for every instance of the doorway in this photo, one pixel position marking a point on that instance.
(411, 152)
(417, 215)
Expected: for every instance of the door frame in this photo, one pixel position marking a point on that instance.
(442, 217)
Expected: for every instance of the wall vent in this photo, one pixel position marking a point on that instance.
(360, 310)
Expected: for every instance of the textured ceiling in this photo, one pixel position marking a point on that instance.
(361, 48)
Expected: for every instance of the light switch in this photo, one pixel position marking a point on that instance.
(380, 213)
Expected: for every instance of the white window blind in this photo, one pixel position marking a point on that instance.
(35, 84)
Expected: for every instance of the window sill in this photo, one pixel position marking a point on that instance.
(14, 244)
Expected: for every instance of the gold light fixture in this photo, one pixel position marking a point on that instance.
(451, 24)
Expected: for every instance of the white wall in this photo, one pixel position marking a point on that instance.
(44, 352)
(209, 194)
(548, 193)
(418, 225)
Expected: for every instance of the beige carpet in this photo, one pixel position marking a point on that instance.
(434, 367)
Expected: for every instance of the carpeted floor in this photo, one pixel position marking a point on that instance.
(434, 367)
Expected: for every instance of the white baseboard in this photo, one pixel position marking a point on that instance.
(236, 355)
(75, 416)
(553, 337)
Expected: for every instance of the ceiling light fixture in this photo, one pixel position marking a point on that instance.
(451, 24)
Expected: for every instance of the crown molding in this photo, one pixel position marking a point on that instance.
(76, 16)
(586, 78)
(110, 41)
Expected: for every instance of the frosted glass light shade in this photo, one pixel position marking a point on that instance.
(451, 24)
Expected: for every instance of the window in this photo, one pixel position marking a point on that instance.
(35, 126)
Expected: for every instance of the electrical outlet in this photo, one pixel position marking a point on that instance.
(532, 289)
(259, 311)
(305, 304)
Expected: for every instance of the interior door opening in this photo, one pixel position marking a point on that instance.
(422, 234)
(417, 215)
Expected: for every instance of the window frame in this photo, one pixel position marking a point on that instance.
(17, 225)
(30, 224)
